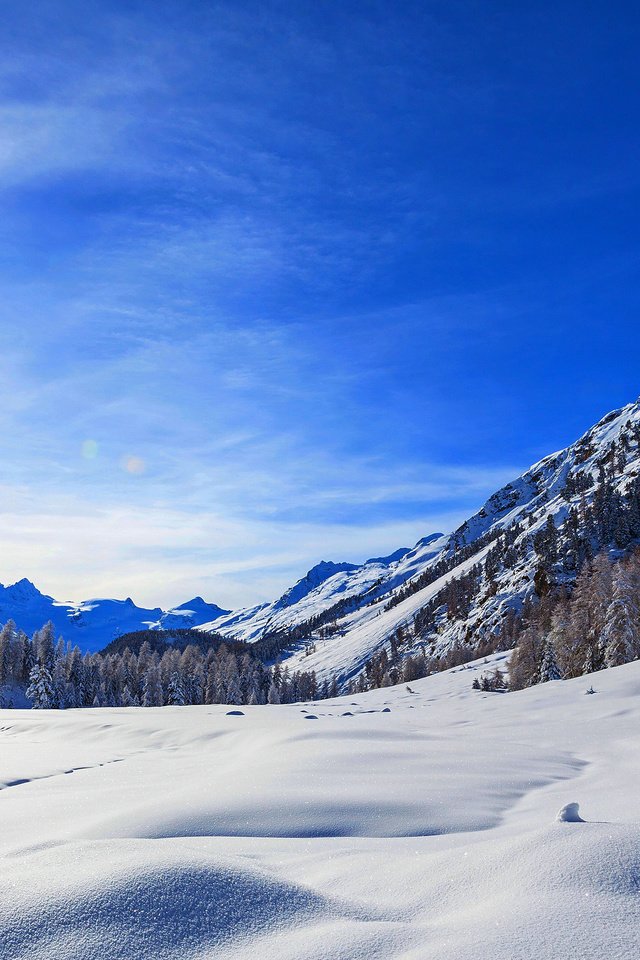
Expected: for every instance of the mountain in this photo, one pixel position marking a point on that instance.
(92, 624)
(318, 575)
(324, 586)
(462, 590)
(456, 591)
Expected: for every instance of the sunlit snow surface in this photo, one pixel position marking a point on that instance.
(393, 825)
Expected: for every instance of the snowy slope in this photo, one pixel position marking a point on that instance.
(361, 624)
(327, 584)
(528, 501)
(92, 624)
(393, 825)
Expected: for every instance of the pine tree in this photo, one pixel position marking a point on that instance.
(524, 666)
(127, 699)
(175, 695)
(59, 681)
(589, 605)
(7, 638)
(152, 687)
(621, 633)
(549, 669)
(234, 694)
(45, 647)
(211, 685)
(40, 690)
(143, 662)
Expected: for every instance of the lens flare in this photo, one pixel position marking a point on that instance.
(89, 449)
(133, 465)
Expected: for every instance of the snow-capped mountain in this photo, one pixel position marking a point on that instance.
(92, 624)
(326, 585)
(448, 590)
(459, 589)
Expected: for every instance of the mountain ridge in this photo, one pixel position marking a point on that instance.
(446, 609)
(95, 622)
(340, 614)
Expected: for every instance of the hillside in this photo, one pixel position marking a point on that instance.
(463, 589)
(460, 591)
(326, 585)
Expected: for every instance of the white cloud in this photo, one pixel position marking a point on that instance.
(45, 140)
(74, 550)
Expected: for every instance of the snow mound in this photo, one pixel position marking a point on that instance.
(569, 814)
(180, 903)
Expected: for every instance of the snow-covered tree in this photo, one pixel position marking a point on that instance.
(127, 699)
(40, 690)
(59, 680)
(621, 633)
(233, 690)
(175, 694)
(549, 669)
(152, 687)
(44, 644)
(7, 641)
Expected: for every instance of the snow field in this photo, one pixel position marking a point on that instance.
(428, 831)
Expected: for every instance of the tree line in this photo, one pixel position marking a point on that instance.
(598, 520)
(54, 675)
(596, 625)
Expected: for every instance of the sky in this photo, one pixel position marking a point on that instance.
(284, 282)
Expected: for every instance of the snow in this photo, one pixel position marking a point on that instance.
(570, 813)
(326, 584)
(92, 624)
(366, 630)
(397, 824)
(314, 578)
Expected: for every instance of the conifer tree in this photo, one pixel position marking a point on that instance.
(549, 669)
(621, 633)
(152, 687)
(40, 690)
(175, 694)
(127, 699)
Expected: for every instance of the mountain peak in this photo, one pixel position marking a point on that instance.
(198, 603)
(391, 558)
(425, 541)
(23, 589)
(313, 578)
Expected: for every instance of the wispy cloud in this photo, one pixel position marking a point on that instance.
(267, 294)
(76, 550)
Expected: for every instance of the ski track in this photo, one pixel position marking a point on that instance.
(62, 773)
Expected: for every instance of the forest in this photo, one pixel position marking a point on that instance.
(54, 675)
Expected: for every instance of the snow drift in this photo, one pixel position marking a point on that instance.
(395, 825)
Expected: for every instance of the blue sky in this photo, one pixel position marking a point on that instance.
(292, 281)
